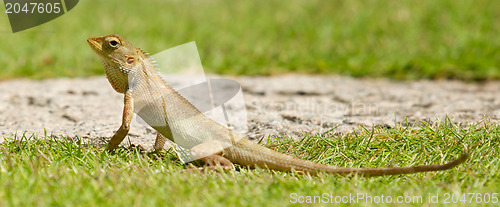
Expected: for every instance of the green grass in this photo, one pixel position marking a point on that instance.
(399, 39)
(65, 172)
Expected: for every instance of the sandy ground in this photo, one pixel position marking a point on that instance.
(289, 104)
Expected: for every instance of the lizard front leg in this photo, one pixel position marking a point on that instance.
(210, 152)
(128, 112)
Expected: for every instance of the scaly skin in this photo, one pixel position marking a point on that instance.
(131, 72)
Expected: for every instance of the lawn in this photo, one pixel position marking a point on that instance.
(61, 171)
(395, 39)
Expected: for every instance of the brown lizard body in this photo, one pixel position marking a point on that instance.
(131, 72)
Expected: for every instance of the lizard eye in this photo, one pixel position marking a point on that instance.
(113, 43)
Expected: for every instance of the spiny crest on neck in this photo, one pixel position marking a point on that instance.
(149, 60)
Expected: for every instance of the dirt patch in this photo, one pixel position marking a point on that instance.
(291, 104)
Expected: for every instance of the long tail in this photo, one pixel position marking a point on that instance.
(368, 172)
(251, 154)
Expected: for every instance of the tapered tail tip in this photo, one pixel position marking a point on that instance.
(460, 159)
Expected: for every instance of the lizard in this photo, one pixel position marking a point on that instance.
(132, 72)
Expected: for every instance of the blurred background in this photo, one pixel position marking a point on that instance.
(399, 39)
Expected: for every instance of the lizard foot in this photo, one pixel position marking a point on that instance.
(215, 163)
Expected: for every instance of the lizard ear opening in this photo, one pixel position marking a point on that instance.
(130, 60)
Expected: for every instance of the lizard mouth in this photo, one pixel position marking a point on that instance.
(95, 44)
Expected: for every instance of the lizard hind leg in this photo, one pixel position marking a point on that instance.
(159, 142)
(210, 153)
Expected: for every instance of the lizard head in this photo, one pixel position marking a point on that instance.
(120, 59)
